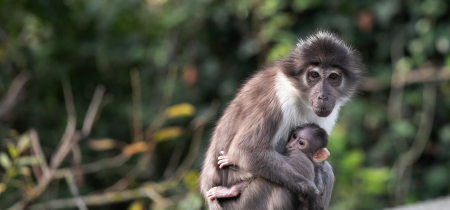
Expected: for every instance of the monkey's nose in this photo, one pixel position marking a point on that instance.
(323, 97)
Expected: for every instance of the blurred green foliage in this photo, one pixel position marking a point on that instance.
(214, 46)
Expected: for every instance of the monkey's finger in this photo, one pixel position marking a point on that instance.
(223, 165)
(222, 157)
(223, 162)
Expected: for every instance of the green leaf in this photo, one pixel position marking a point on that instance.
(23, 144)
(437, 178)
(192, 201)
(5, 161)
(337, 139)
(403, 128)
(301, 5)
(12, 151)
(374, 179)
(190, 180)
(444, 134)
(352, 160)
(29, 160)
(404, 65)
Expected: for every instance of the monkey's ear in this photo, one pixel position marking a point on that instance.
(321, 155)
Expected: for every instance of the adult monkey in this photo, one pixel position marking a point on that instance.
(307, 86)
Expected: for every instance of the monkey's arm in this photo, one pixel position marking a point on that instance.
(324, 180)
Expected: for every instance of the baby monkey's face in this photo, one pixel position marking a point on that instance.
(309, 144)
(299, 141)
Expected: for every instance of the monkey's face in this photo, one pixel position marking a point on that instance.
(298, 142)
(326, 72)
(321, 88)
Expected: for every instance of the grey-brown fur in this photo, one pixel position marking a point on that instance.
(254, 128)
(300, 158)
(263, 194)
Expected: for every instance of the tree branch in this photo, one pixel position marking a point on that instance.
(10, 99)
(421, 75)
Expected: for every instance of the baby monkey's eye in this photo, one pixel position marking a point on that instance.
(301, 142)
(294, 136)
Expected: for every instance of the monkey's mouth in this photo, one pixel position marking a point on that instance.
(322, 108)
(322, 111)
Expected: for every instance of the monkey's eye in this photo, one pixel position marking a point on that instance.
(301, 142)
(314, 74)
(294, 136)
(333, 76)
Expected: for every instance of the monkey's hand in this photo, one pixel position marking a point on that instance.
(315, 202)
(313, 198)
(315, 205)
(224, 160)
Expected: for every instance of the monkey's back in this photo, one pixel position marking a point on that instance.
(254, 104)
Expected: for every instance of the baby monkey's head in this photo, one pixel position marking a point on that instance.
(311, 140)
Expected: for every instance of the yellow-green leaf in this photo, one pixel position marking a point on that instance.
(180, 110)
(5, 161)
(135, 148)
(136, 205)
(11, 173)
(25, 171)
(23, 144)
(168, 133)
(102, 144)
(190, 180)
(12, 151)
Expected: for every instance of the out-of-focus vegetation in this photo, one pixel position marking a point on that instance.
(159, 70)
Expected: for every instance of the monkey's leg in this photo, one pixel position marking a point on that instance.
(224, 192)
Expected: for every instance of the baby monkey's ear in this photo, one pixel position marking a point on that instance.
(321, 155)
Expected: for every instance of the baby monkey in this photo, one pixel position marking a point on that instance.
(306, 147)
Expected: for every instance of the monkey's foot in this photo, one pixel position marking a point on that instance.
(221, 192)
(224, 161)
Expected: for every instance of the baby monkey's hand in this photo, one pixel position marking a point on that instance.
(224, 160)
